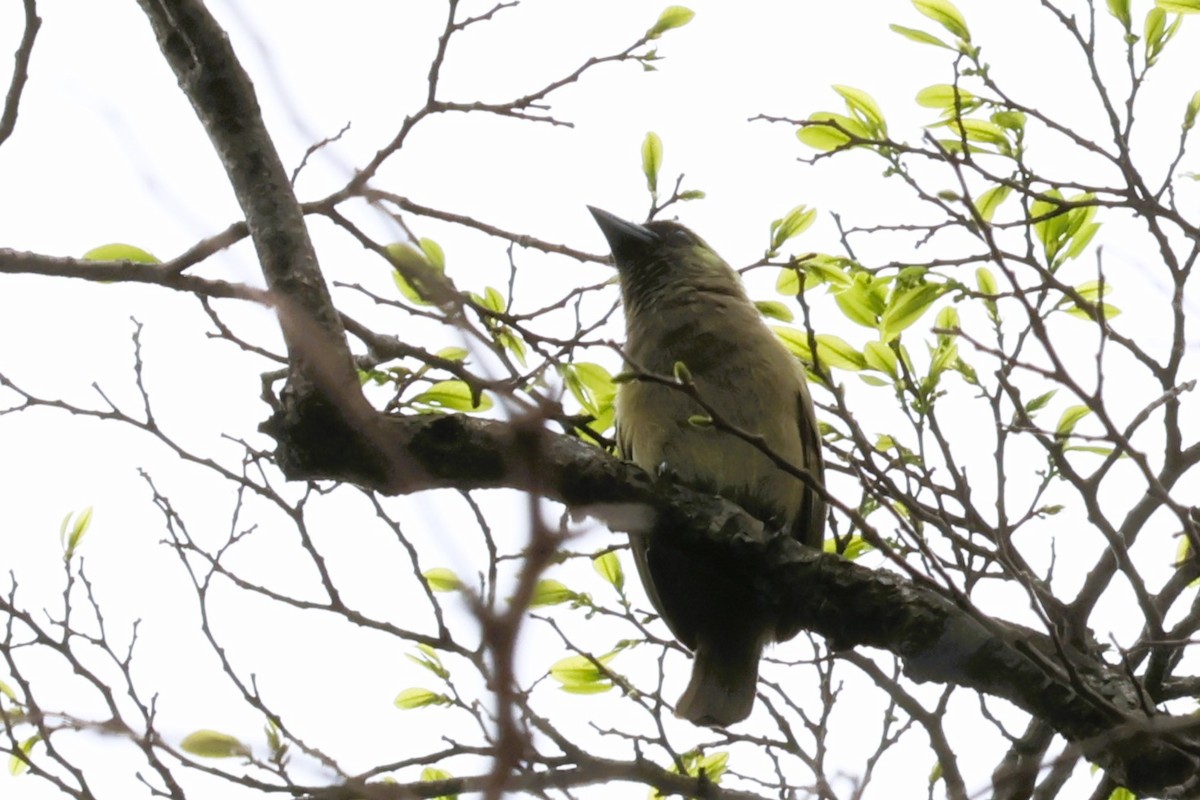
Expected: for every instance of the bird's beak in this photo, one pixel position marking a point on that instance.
(627, 240)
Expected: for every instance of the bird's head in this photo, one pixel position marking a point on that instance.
(662, 258)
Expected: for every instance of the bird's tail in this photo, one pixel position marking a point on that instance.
(723, 685)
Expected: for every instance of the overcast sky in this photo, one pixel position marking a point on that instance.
(107, 149)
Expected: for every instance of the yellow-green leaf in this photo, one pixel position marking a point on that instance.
(652, 154)
(671, 17)
(120, 252)
(989, 201)
(907, 306)
(944, 13)
(1179, 6)
(919, 36)
(826, 131)
(863, 107)
(549, 592)
(1120, 10)
(774, 310)
(580, 675)
(609, 567)
(428, 658)
(881, 357)
(834, 351)
(430, 774)
(986, 281)
(452, 395)
(416, 697)
(1070, 418)
(213, 744)
(18, 762)
(944, 96)
(441, 579)
(70, 540)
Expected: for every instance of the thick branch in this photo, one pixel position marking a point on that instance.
(849, 604)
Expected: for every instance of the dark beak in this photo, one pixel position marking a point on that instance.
(627, 240)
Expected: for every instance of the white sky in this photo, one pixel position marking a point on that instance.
(107, 149)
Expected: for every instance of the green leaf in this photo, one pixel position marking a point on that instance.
(441, 579)
(827, 131)
(428, 658)
(919, 36)
(864, 108)
(986, 281)
(695, 763)
(652, 154)
(692, 194)
(881, 357)
(795, 341)
(213, 744)
(989, 201)
(120, 252)
(671, 17)
(907, 306)
(415, 263)
(1120, 10)
(431, 774)
(18, 762)
(549, 592)
(591, 384)
(774, 310)
(864, 300)
(453, 353)
(433, 253)
(944, 13)
(681, 373)
(580, 675)
(1189, 114)
(1038, 403)
(795, 222)
(1179, 6)
(833, 351)
(416, 697)
(1070, 417)
(454, 395)
(8, 692)
(70, 541)
(609, 567)
(944, 95)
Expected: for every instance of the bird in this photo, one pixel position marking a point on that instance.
(684, 304)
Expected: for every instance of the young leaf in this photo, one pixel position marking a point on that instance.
(919, 36)
(120, 252)
(944, 13)
(652, 154)
(609, 567)
(774, 310)
(428, 658)
(453, 396)
(70, 541)
(18, 762)
(833, 351)
(416, 697)
(795, 222)
(827, 131)
(944, 96)
(906, 307)
(864, 108)
(441, 579)
(1120, 10)
(1179, 6)
(989, 201)
(213, 744)
(671, 17)
(1070, 417)
(581, 675)
(549, 592)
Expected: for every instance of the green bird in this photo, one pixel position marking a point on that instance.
(684, 304)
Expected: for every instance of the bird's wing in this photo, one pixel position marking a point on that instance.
(809, 525)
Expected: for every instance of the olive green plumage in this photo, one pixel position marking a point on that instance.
(683, 303)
